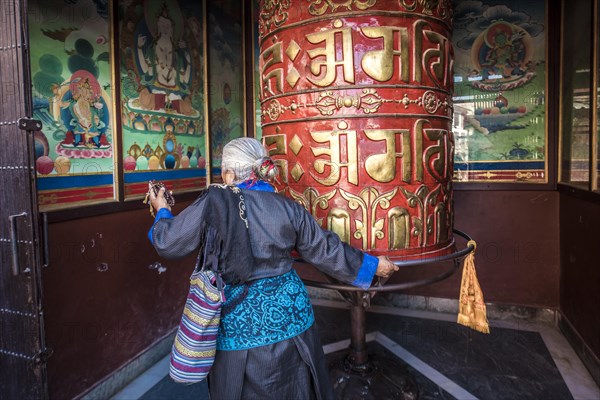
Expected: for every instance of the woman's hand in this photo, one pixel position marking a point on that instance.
(158, 201)
(385, 268)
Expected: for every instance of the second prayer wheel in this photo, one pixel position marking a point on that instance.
(356, 104)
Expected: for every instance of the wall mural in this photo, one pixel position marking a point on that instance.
(162, 94)
(256, 71)
(71, 89)
(226, 100)
(499, 91)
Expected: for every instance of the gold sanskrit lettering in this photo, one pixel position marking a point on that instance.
(418, 50)
(438, 167)
(436, 61)
(382, 167)
(325, 71)
(334, 152)
(271, 56)
(379, 64)
(275, 145)
(418, 145)
(320, 7)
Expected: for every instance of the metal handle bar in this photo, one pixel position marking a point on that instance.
(12, 219)
(456, 256)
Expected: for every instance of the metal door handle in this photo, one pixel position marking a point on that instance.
(12, 219)
(45, 238)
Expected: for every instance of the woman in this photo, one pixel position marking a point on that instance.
(268, 345)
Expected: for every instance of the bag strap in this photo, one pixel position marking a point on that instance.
(208, 254)
(205, 259)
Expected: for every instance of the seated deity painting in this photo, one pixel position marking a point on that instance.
(84, 113)
(71, 82)
(162, 101)
(162, 60)
(162, 85)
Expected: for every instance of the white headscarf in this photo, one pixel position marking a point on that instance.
(244, 156)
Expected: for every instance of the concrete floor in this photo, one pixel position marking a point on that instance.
(517, 360)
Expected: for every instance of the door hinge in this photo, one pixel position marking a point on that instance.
(43, 356)
(38, 358)
(29, 124)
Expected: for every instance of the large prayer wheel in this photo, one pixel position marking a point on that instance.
(356, 101)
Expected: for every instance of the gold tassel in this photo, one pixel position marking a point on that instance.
(471, 312)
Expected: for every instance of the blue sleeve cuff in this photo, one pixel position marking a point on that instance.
(366, 272)
(162, 213)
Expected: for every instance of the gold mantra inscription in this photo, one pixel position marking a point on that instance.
(320, 7)
(404, 148)
(382, 167)
(334, 153)
(336, 48)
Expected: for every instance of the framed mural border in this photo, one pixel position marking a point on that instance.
(116, 84)
(215, 171)
(551, 107)
(121, 202)
(208, 151)
(254, 128)
(136, 187)
(595, 136)
(591, 190)
(84, 190)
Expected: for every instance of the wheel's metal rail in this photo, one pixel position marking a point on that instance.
(456, 257)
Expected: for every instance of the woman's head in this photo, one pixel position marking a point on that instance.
(246, 159)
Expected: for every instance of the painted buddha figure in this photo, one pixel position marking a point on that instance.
(83, 112)
(164, 63)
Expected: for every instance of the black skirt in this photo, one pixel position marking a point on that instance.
(293, 369)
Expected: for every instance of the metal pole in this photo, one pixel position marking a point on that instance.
(358, 340)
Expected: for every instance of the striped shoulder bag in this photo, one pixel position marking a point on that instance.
(194, 349)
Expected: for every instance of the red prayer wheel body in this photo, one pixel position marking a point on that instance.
(356, 102)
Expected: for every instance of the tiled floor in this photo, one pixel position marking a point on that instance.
(447, 361)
